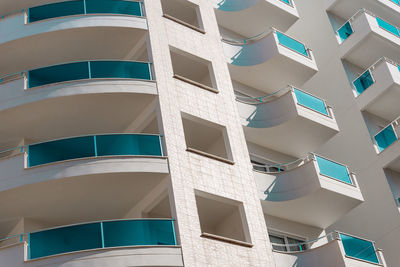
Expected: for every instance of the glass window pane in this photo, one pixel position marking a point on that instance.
(56, 10)
(59, 150)
(333, 170)
(128, 144)
(278, 241)
(294, 244)
(65, 239)
(120, 69)
(58, 73)
(138, 232)
(359, 248)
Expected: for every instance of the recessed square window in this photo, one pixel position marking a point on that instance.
(193, 70)
(183, 12)
(222, 219)
(206, 138)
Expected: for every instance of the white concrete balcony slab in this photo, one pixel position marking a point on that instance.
(388, 9)
(378, 89)
(285, 59)
(96, 156)
(290, 121)
(364, 38)
(68, 31)
(335, 249)
(42, 100)
(249, 18)
(313, 191)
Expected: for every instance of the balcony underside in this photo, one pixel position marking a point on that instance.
(70, 109)
(364, 47)
(383, 8)
(130, 256)
(296, 137)
(390, 158)
(71, 39)
(302, 195)
(254, 17)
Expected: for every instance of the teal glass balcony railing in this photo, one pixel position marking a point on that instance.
(345, 31)
(83, 7)
(94, 146)
(363, 82)
(385, 138)
(97, 235)
(311, 101)
(388, 27)
(395, 1)
(333, 170)
(359, 248)
(89, 70)
(292, 44)
(289, 2)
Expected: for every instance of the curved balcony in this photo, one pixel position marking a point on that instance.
(290, 120)
(366, 37)
(336, 248)
(378, 88)
(289, 190)
(43, 32)
(133, 242)
(33, 101)
(389, 9)
(98, 155)
(285, 59)
(248, 18)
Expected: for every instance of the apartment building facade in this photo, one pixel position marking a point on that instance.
(199, 133)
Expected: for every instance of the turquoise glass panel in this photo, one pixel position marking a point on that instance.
(345, 31)
(333, 170)
(359, 248)
(55, 10)
(387, 26)
(128, 144)
(286, 2)
(113, 7)
(64, 239)
(59, 73)
(385, 138)
(59, 150)
(292, 44)
(120, 69)
(138, 233)
(363, 82)
(70, 8)
(395, 1)
(311, 102)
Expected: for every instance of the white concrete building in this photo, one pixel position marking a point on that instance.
(207, 133)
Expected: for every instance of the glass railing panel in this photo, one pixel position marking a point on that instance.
(60, 150)
(135, 233)
(289, 2)
(359, 248)
(59, 73)
(387, 26)
(395, 1)
(113, 7)
(79, 7)
(333, 170)
(311, 102)
(345, 31)
(363, 82)
(128, 144)
(292, 44)
(120, 69)
(55, 10)
(385, 138)
(64, 239)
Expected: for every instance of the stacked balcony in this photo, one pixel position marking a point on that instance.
(365, 37)
(271, 120)
(282, 57)
(329, 187)
(341, 249)
(249, 18)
